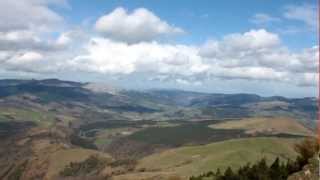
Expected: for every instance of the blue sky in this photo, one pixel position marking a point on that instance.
(204, 19)
(251, 46)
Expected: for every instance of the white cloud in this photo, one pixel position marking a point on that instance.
(238, 45)
(130, 47)
(27, 57)
(26, 25)
(262, 18)
(182, 81)
(249, 73)
(26, 41)
(139, 25)
(64, 39)
(308, 79)
(16, 36)
(253, 55)
(188, 82)
(71, 37)
(107, 56)
(28, 14)
(254, 39)
(306, 13)
(259, 55)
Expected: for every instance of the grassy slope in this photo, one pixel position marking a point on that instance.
(193, 160)
(104, 137)
(275, 125)
(40, 118)
(60, 159)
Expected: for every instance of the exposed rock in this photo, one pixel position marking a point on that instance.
(309, 171)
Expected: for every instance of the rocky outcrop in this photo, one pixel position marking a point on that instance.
(309, 171)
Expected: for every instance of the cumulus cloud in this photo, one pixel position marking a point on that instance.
(254, 39)
(64, 39)
(26, 25)
(306, 13)
(128, 46)
(30, 61)
(253, 55)
(26, 43)
(111, 57)
(27, 57)
(237, 50)
(28, 14)
(71, 37)
(139, 25)
(240, 44)
(27, 40)
(259, 55)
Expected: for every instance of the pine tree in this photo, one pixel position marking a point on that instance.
(274, 171)
(230, 175)
(244, 171)
(218, 173)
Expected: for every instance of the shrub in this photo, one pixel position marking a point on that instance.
(261, 171)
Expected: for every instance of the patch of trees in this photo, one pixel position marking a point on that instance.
(110, 124)
(90, 166)
(10, 128)
(82, 142)
(126, 149)
(262, 171)
(190, 133)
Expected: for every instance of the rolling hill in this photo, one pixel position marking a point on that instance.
(48, 126)
(267, 125)
(154, 104)
(187, 161)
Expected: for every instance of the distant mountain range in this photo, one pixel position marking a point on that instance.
(48, 125)
(173, 104)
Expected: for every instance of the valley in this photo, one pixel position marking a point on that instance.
(54, 129)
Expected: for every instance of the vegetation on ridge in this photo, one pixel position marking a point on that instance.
(262, 171)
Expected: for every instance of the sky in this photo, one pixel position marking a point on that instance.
(266, 47)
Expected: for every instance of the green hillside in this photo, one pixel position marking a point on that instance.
(194, 160)
(272, 125)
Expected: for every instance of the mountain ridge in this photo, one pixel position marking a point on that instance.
(56, 82)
